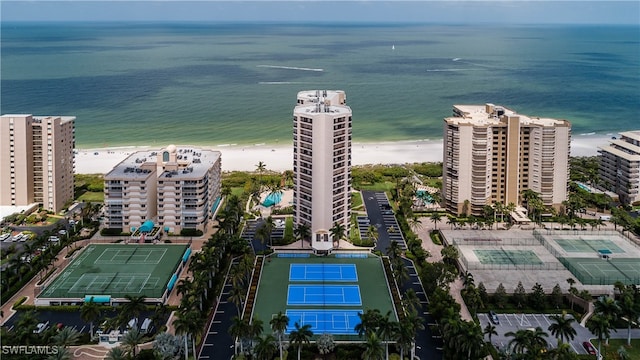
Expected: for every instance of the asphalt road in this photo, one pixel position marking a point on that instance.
(218, 344)
(383, 219)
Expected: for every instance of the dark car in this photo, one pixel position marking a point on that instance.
(494, 317)
(590, 349)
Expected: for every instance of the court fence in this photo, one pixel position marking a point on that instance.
(495, 241)
(474, 265)
(586, 278)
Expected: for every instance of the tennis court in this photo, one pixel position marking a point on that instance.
(502, 256)
(323, 272)
(583, 245)
(595, 271)
(117, 270)
(326, 292)
(337, 322)
(339, 295)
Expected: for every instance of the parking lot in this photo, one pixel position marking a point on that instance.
(515, 322)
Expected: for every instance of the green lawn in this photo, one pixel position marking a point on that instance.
(633, 352)
(382, 186)
(91, 196)
(356, 201)
(237, 191)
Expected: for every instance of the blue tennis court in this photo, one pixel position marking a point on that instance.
(342, 295)
(323, 272)
(335, 322)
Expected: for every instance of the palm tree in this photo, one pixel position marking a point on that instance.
(607, 307)
(279, 325)
(66, 337)
(302, 232)
(131, 340)
(369, 321)
(531, 341)
(239, 329)
(133, 307)
(562, 327)
(470, 339)
(117, 353)
(387, 329)
(300, 335)
(372, 234)
(60, 354)
(404, 336)
(338, 232)
(411, 301)
(237, 296)
(373, 349)
(600, 326)
(453, 221)
(629, 309)
(265, 347)
(490, 330)
(90, 312)
(255, 330)
(189, 323)
(394, 251)
(260, 168)
(436, 218)
(414, 223)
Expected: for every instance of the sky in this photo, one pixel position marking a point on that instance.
(424, 11)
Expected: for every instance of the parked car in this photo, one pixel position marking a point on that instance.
(41, 327)
(590, 349)
(494, 317)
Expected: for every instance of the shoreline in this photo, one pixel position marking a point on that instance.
(279, 157)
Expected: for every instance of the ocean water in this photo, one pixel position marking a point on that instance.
(214, 84)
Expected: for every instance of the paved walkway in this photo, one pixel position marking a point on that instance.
(436, 255)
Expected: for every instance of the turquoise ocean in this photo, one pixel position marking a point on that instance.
(218, 83)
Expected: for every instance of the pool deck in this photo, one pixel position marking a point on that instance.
(285, 201)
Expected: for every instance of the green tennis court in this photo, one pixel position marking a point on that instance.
(118, 270)
(583, 245)
(593, 271)
(274, 294)
(503, 257)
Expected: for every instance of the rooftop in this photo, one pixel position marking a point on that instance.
(189, 163)
(490, 114)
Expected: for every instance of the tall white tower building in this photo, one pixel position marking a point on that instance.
(322, 164)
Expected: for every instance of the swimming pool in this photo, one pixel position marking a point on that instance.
(425, 196)
(272, 199)
(584, 187)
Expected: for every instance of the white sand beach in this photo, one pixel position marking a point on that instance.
(280, 157)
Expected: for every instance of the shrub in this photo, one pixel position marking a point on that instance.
(111, 232)
(190, 232)
(19, 302)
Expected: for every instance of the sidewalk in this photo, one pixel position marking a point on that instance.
(435, 251)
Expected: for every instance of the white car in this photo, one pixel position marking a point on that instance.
(41, 327)
(18, 237)
(5, 237)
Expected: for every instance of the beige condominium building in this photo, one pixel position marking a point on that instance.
(322, 164)
(620, 166)
(37, 160)
(492, 154)
(176, 188)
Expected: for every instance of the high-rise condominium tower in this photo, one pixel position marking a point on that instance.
(36, 160)
(176, 187)
(492, 154)
(620, 166)
(322, 164)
